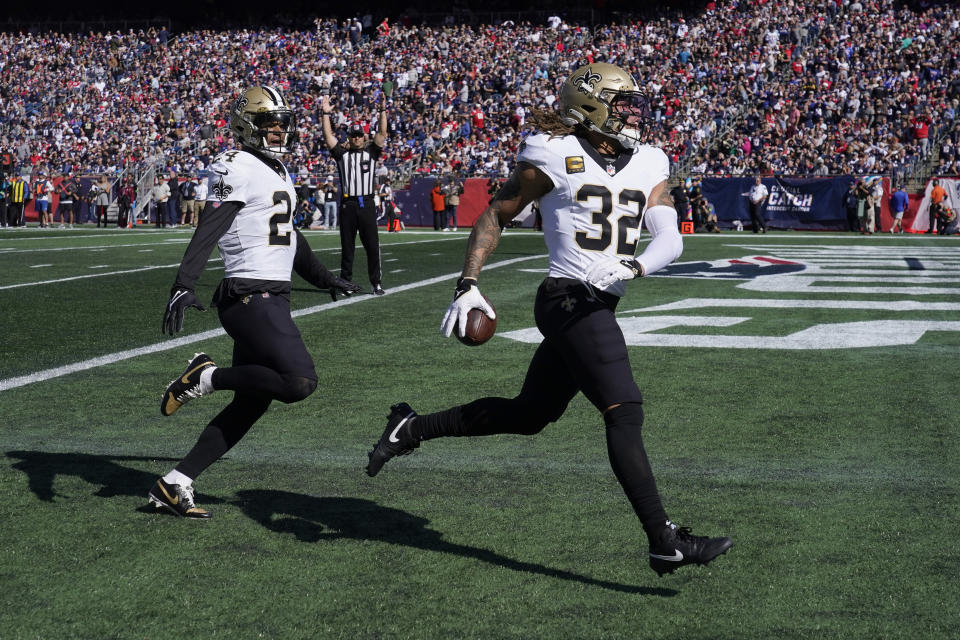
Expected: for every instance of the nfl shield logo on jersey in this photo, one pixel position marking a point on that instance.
(612, 170)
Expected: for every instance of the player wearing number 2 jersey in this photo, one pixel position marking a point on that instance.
(595, 183)
(248, 214)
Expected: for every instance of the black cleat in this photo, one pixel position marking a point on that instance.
(677, 547)
(395, 441)
(176, 499)
(378, 290)
(186, 387)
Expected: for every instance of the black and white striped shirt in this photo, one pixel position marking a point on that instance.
(357, 170)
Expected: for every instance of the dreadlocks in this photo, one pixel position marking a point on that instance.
(548, 121)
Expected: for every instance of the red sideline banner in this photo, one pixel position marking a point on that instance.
(473, 201)
(415, 203)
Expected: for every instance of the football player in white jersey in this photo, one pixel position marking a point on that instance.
(250, 202)
(596, 182)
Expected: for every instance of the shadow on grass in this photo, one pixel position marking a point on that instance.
(42, 468)
(309, 518)
(312, 519)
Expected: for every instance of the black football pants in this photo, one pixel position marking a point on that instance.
(270, 362)
(583, 350)
(363, 220)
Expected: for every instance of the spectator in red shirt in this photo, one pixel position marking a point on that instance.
(476, 118)
(439, 205)
(921, 131)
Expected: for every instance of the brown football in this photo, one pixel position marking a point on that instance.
(479, 328)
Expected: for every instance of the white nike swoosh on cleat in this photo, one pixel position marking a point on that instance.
(393, 434)
(676, 557)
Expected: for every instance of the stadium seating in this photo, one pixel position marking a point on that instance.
(740, 88)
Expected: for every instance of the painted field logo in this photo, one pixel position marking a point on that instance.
(815, 281)
(735, 269)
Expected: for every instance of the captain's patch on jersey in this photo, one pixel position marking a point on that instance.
(575, 164)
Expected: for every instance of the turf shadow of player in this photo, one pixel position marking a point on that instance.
(42, 469)
(316, 518)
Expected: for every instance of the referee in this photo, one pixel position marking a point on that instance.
(356, 163)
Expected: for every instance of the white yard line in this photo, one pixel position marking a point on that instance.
(159, 266)
(56, 372)
(89, 275)
(100, 247)
(126, 234)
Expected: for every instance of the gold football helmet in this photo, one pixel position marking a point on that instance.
(604, 98)
(255, 111)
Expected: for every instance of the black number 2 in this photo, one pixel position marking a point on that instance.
(277, 219)
(599, 241)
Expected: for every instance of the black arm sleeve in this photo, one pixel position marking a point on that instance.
(214, 222)
(307, 266)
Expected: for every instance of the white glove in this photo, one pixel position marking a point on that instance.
(607, 270)
(466, 297)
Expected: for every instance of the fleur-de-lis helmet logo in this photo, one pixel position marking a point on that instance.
(587, 82)
(240, 104)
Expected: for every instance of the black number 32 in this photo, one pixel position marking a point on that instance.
(600, 239)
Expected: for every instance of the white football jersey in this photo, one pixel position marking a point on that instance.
(260, 244)
(595, 207)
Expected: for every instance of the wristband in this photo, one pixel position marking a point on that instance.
(634, 266)
(463, 285)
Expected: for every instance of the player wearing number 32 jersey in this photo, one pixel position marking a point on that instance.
(596, 183)
(249, 215)
(594, 209)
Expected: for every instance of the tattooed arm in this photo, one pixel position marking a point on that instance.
(660, 195)
(525, 184)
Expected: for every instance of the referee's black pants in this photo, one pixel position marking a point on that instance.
(354, 219)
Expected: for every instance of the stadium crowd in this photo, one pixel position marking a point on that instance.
(949, 158)
(791, 87)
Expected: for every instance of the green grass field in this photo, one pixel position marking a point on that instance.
(811, 416)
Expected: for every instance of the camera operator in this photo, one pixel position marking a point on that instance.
(698, 206)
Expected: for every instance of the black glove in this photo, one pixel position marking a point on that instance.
(180, 301)
(339, 285)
